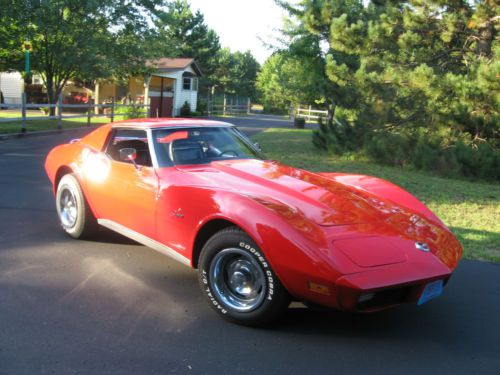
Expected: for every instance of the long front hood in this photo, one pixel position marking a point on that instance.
(283, 188)
(309, 201)
(315, 197)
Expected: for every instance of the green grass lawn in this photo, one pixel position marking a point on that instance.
(50, 124)
(470, 209)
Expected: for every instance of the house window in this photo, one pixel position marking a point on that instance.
(186, 83)
(37, 80)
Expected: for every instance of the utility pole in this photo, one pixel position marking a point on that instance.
(27, 50)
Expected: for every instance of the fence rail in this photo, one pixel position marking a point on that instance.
(228, 107)
(310, 114)
(91, 110)
(314, 114)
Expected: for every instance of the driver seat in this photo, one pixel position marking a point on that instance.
(184, 151)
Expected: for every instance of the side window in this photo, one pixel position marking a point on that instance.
(186, 83)
(127, 138)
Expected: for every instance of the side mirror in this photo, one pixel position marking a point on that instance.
(257, 146)
(128, 154)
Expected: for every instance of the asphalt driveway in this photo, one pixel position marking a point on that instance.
(111, 306)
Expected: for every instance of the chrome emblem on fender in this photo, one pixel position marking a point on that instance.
(422, 246)
(177, 213)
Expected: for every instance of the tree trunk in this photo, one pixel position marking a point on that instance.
(330, 112)
(51, 95)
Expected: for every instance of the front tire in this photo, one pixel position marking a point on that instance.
(238, 280)
(74, 213)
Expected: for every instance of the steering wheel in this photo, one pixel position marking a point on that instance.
(230, 153)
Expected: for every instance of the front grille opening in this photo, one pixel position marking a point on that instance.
(386, 298)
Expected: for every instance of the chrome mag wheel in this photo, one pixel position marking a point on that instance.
(68, 210)
(238, 280)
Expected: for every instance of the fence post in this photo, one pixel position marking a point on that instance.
(309, 116)
(23, 112)
(208, 101)
(59, 112)
(224, 105)
(113, 109)
(89, 109)
(248, 106)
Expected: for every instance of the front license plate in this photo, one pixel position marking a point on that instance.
(431, 290)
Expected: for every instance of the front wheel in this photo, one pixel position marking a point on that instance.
(74, 213)
(238, 281)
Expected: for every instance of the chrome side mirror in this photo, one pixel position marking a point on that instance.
(128, 154)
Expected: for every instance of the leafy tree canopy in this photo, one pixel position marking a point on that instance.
(181, 33)
(412, 81)
(83, 39)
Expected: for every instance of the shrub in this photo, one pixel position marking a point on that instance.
(185, 110)
(131, 111)
(339, 136)
(425, 151)
(481, 161)
(389, 148)
(420, 148)
(202, 107)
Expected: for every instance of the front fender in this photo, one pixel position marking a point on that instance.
(296, 248)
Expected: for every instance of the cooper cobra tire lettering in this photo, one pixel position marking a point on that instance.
(262, 261)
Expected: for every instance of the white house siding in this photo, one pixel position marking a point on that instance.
(184, 95)
(180, 95)
(12, 87)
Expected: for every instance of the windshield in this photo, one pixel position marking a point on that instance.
(201, 145)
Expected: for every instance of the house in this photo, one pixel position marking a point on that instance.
(173, 82)
(11, 86)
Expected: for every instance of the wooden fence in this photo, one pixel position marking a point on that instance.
(228, 107)
(91, 110)
(313, 114)
(310, 114)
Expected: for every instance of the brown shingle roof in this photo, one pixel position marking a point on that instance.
(177, 63)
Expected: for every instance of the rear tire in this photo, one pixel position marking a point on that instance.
(238, 281)
(75, 216)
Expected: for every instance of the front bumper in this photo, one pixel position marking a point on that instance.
(387, 286)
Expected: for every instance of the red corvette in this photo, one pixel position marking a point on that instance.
(259, 232)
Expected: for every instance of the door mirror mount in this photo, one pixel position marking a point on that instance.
(129, 154)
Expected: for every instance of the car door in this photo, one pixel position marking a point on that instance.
(127, 196)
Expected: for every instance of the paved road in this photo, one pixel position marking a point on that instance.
(115, 307)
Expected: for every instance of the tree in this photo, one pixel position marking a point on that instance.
(83, 39)
(180, 32)
(324, 76)
(394, 64)
(236, 73)
(419, 77)
(286, 81)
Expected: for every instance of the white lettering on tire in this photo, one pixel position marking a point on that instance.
(262, 260)
(210, 295)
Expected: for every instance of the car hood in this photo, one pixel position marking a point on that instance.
(325, 210)
(292, 191)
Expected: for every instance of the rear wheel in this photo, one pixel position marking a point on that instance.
(238, 281)
(74, 214)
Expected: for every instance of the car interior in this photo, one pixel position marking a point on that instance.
(142, 151)
(185, 151)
